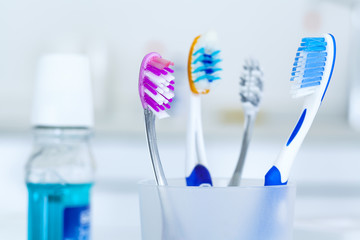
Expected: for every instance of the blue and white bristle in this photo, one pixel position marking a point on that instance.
(309, 66)
(205, 64)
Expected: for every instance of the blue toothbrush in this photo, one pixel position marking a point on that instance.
(310, 77)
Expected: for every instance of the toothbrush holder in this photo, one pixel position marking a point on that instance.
(250, 211)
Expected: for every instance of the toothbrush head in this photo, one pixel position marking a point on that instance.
(313, 67)
(203, 63)
(251, 85)
(156, 84)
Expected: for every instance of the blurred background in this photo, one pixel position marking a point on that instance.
(115, 35)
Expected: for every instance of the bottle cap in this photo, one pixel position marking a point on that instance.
(63, 92)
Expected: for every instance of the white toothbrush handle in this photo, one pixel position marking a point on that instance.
(290, 149)
(191, 156)
(197, 173)
(200, 145)
(195, 139)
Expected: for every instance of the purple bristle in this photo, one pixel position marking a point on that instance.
(151, 102)
(169, 70)
(154, 84)
(154, 70)
(150, 83)
(150, 89)
(163, 72)
(172, 82)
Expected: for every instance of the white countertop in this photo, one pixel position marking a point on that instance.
(327, 176)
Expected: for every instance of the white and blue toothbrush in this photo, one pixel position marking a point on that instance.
(203, 74)
(310, 77)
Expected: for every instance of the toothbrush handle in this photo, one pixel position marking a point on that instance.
(248, 127)
(199, 136)
(279, 173)
(153, 149)
(191, 156)
(200, 175)
(196, 170)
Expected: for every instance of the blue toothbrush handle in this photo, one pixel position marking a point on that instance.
(199, 176)
(273, 177)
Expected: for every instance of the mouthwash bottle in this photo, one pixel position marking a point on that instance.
(60, 169)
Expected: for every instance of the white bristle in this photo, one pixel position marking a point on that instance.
(168, 77)
(209, 39)
(160, 114)
(160, 90)
(251, 85)
(166, 87)
(154, 78)
(298, 92)
(169, 94)
(157, 98)
(202, 85)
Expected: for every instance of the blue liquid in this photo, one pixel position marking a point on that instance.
(47, 203)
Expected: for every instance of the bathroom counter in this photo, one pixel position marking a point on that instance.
(326, 198)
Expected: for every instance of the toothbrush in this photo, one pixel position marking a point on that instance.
(251, 88)
(156, 92)
(310, 77)
(202, 73)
